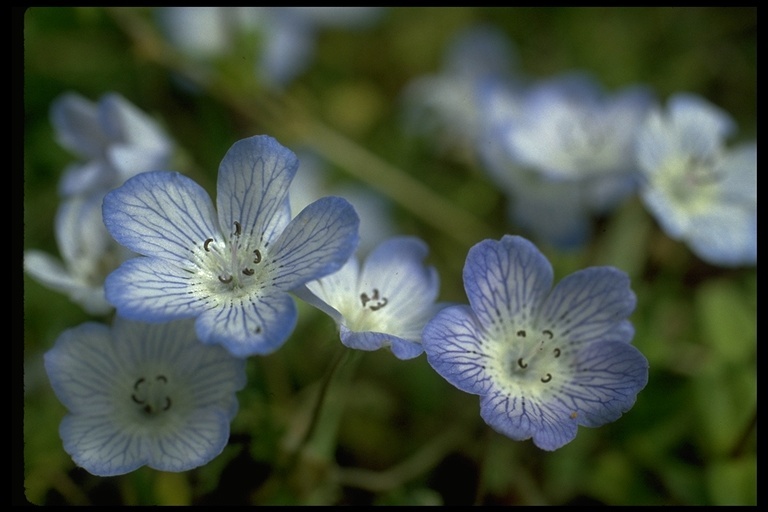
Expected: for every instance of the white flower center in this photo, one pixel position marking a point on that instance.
(150, 394)
(533, 358)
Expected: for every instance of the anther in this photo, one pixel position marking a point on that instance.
(162, 378)
(557, 352)
(207, 243)
(521, 364)
(380, 304)
(238, 229)
(521, 333)
(225, 281)
(548, 333)
(167, 403)
(136, 385)
(248, 271)
(257, 259)
(546, 378)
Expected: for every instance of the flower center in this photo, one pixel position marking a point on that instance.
(537, 357)
(230, 264)
(150, 395)
(374, 302)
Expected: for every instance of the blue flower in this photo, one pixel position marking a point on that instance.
(143, 394)
(562, 150)
(232, 270)
(542, 360)
(114, 138)
(384, 303)
(699, 191)
(88, 254)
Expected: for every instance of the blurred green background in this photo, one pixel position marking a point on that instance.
(404, 435)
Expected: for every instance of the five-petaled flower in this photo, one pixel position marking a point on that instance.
(143, 394)
(232, 270)
(384, 303)
(542, 360)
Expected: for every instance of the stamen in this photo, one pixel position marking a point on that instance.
(133, 397)
(521, 364)
(547, 378)
(557, 352)
(521, 333)
(257, 259)
(207, 243)
(167, 403)
(238, 229)
(379, 305)
(225, 281)
(248, 271)
(364, 298)
(162, 378)
(136, 385)
(547, 332)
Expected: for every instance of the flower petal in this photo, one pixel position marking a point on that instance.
(154, 290)
(76, 122)
(163, 214)
(590, 305)
(252, 186)
(316, 243)
(456, 350)
(506, 279)
(250, 325)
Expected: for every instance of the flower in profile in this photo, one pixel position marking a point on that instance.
(231, 269)
(383, 303)
(115, 139)
(562, 150)
(88, 254)
(542, 360)
(699, 191)
(143, 394)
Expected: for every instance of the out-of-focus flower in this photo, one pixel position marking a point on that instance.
(232, 270)
(700, 192)
(444, 105)
(286, 35)
(143, 394)
(383, 303)
(543, 360)
(562, 150)
(88, 254)
(115, 139)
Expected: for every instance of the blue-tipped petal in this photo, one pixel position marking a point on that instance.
(162, 214)
(154, 290)
(456, 350)
(252, 185)
(506, 279)
(253, 325)
(591, 305)
(316, 243)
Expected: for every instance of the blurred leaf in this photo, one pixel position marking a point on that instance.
(727, 319)
(172, 489)
(733, 481)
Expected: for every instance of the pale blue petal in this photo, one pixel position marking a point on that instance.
(590, 305)
(656, 143)
(457, 350)
(725, 235)
(91, 176)
(738, 171)
(124, 123)
(154, 290)
(363, 340)
(162, 214)
(316, 243)
(101, 446)
(132, 160)
(201, 438)
(520, 418)
(252, 186)
(396, 268)
(333, 292)
(405, 349)
(76, 122)
(701, 126)
(506, 280)
(250, 325)
(83, 369)
(606, 380)
(79, 228)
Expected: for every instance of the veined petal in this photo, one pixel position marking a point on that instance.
(101, 446)
(202, 437)
(250, 325)
(605, 385)
(520, 418)
(456, 349)
(83, 369)
(154, 290)
(590, 305)
(252, 186)
(124, 123)
(316, 243)
(162, 214)
(506, 280)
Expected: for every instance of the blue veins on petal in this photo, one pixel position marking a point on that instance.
(542, 360)
(143, 394)
(233, 268)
